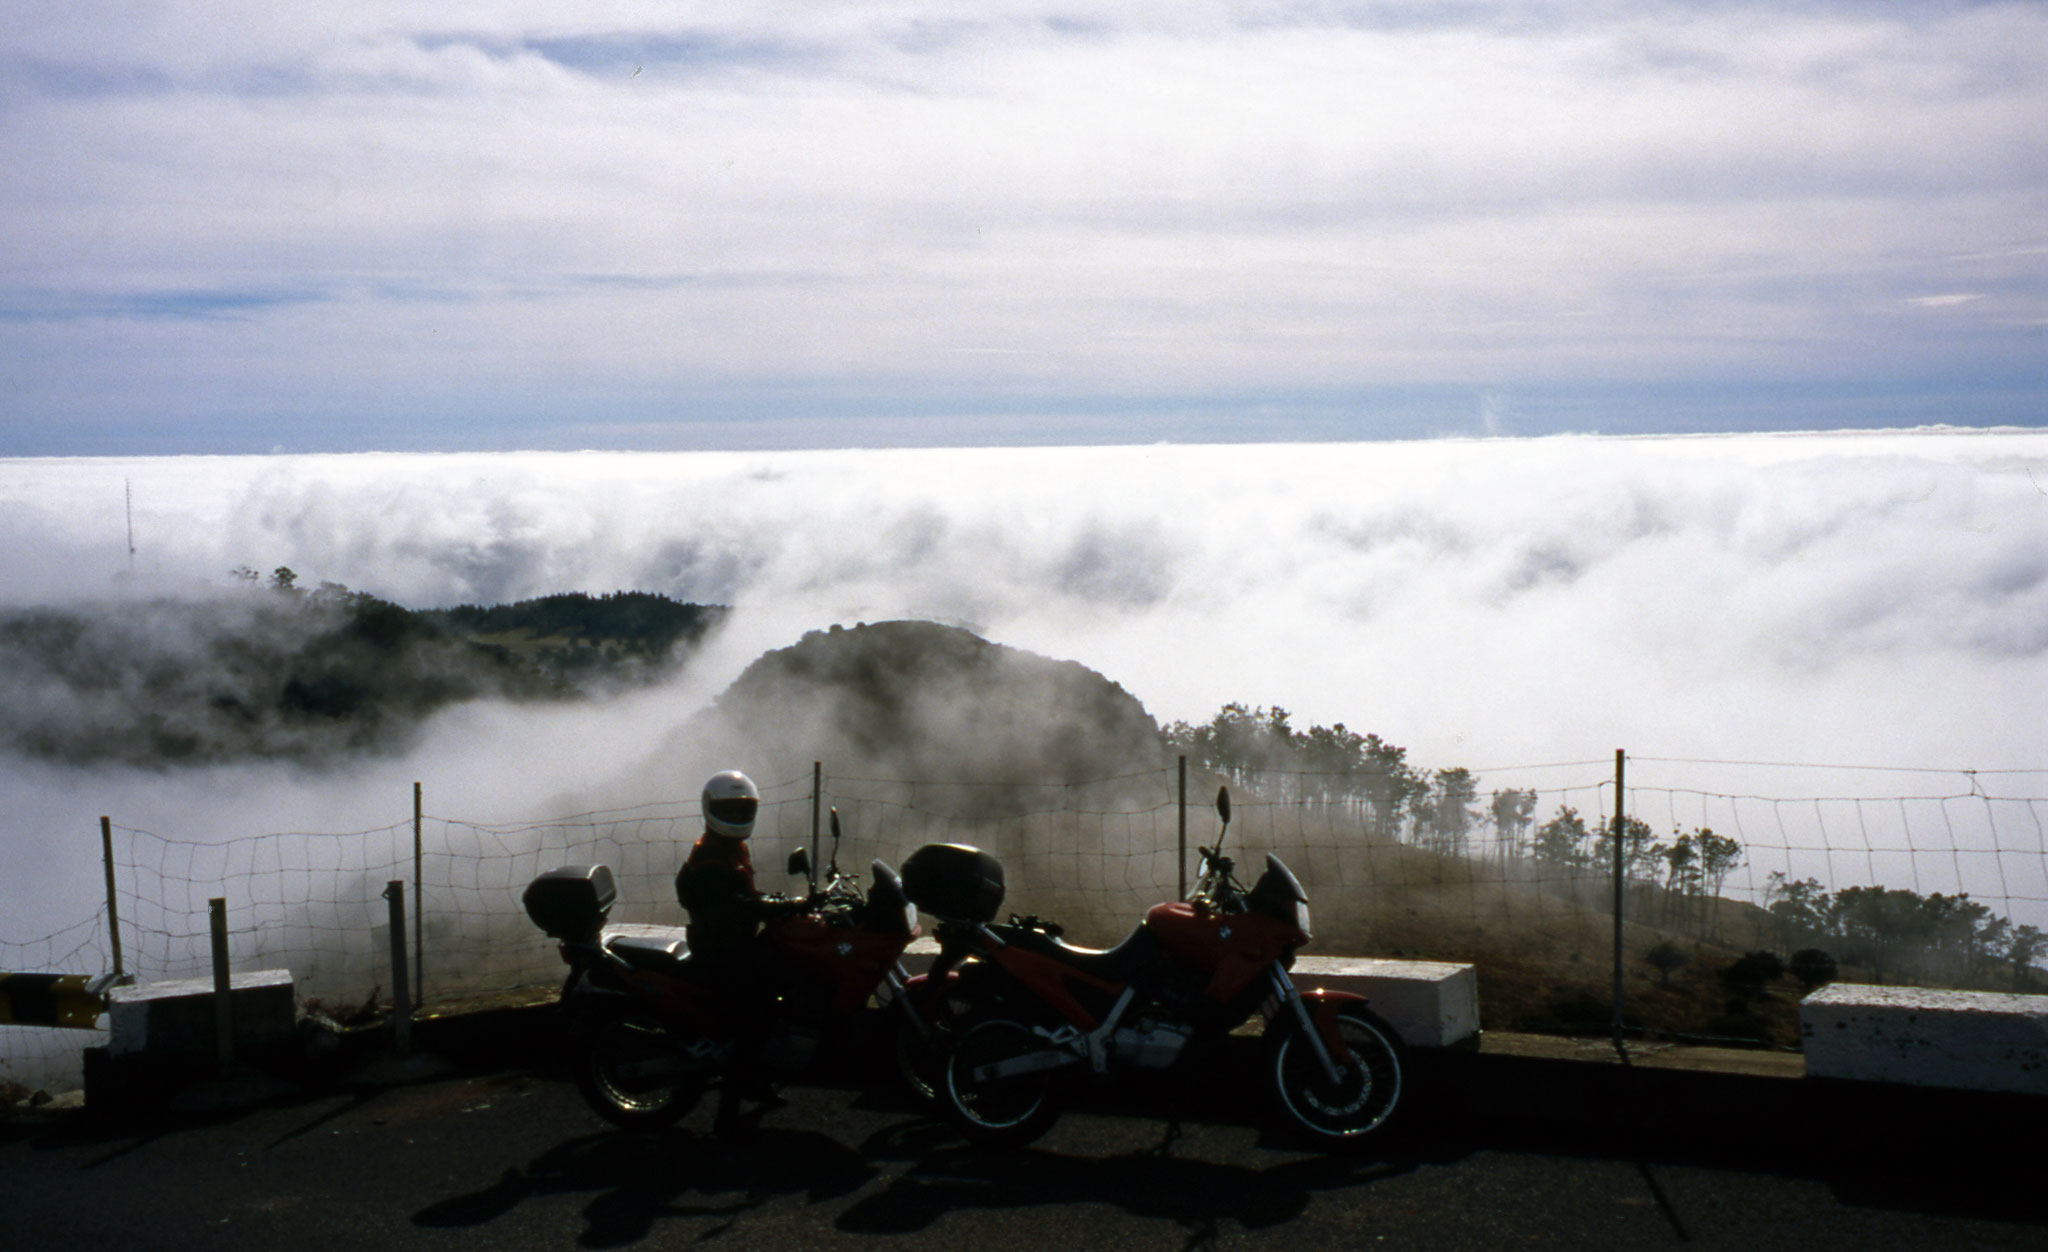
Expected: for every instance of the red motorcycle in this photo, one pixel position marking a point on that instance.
(1025, 1006)
(654, 1032)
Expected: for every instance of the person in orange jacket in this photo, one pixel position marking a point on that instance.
(716, 884)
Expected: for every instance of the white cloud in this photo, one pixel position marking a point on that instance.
(1492, 590)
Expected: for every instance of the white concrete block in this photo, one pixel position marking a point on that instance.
(176, 1016)
(1433, 1004)
(1975, 1040)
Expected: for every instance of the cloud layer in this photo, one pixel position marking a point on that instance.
(502, 227)
(1791, 596)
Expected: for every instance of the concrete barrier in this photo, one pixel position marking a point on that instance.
(175, 1018)
(1971, 1040)
(1431, 1004)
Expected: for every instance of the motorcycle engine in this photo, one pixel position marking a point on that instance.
(1151, 1045)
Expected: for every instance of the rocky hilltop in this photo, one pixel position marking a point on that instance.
(926, 702)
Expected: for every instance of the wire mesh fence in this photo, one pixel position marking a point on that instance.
(42, 1056)
(1946, 887)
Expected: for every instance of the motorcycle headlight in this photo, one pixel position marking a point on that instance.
(909, 918)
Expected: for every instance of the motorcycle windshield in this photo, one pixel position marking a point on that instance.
(888, 907)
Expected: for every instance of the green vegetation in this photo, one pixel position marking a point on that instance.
(618, 639)
(1902, 934)
(314, 677)
(1675, 885)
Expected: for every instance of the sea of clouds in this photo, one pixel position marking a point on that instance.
(1857, 599)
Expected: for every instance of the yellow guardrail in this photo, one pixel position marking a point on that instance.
(71, 1000)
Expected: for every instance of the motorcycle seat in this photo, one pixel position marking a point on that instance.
(649, 951)
(1123, 963)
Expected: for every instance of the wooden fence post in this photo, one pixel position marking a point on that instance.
(113, 908)
(223, 983)
(1620, 884)
(419, 907)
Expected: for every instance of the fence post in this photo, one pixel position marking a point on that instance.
(1180, 862)
(113, 909)
(223, 984)
(419, 907)
(1620, 885)
(401, 998)
(817, 795)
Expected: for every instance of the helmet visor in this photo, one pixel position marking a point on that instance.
(734, 810)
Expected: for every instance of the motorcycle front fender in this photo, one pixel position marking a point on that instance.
(1322, 1004)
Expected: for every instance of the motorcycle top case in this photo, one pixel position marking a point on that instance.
(954, 880)
(571, 902)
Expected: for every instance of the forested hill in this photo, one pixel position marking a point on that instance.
(585, 636)
(932, 703)
(276, 672)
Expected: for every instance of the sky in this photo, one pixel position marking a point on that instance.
(235, 227)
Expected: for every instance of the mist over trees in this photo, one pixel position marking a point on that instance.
(279, 672)
(929, 704)
(1677, 882)
(1903, 934)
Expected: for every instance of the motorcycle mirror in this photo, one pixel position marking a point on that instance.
(835, 825)
(1223, 804)
(800, 862)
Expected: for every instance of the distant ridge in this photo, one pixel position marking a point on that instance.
(316, 678)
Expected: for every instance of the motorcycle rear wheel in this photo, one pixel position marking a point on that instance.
(1002, 1112)
(1368, 1091)
(633, 1074)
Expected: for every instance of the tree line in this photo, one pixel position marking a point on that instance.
(1676, 880)
(311, 675)
(1902, 934)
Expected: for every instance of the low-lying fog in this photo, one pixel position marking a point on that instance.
(1867, 599)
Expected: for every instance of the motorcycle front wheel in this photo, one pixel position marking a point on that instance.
(634, 1075)
(1005, 1111)
(1367, 1092)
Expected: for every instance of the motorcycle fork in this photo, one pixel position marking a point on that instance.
(1290, 995)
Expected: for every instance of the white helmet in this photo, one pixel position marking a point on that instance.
(730, 801)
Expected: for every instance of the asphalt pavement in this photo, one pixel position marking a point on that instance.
(1500, 1152)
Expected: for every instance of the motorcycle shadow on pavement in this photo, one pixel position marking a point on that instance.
(638, 1180)
(1200, 1196)
(1164, 1180)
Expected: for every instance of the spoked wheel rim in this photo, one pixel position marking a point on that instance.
(1008, 1103)
(1368, 1089)
(636, 1075)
